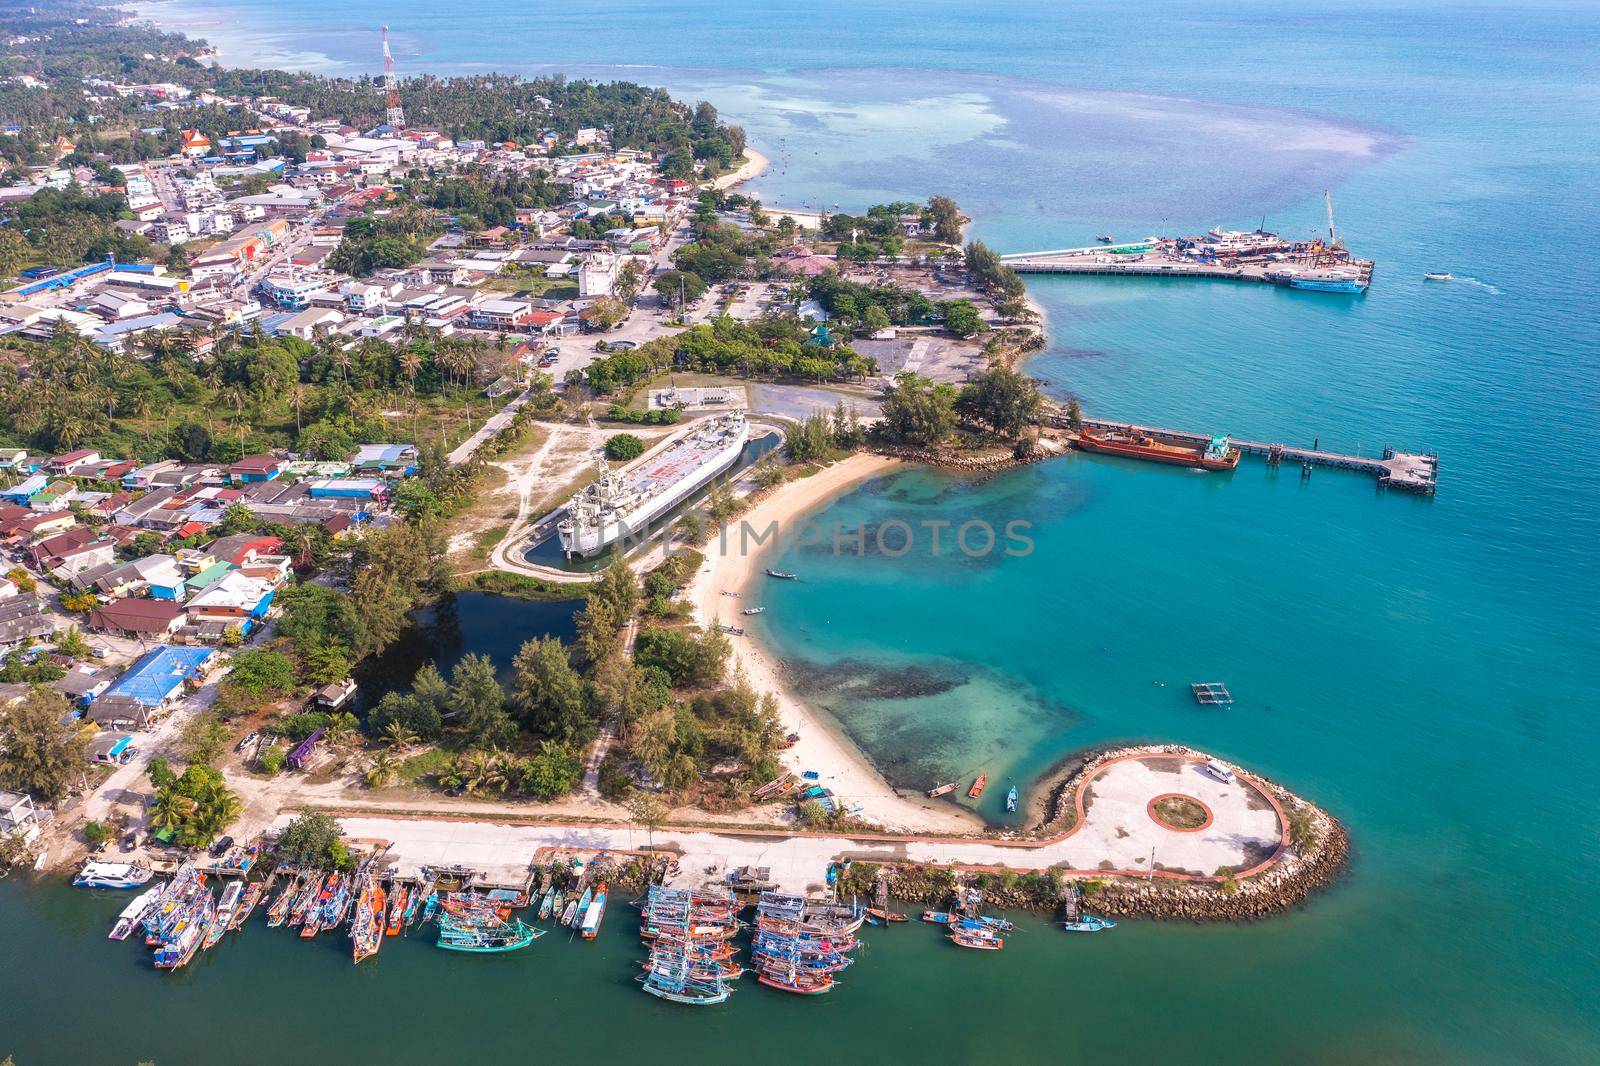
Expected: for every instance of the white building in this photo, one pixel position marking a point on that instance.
(598, 274)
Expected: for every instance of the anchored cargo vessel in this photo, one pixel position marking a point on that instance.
(622, 504)
(1215, 454)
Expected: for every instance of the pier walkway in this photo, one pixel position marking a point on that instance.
(1412, 471)
(1114, 833)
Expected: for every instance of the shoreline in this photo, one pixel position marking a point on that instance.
(822, 745)
(755, 164)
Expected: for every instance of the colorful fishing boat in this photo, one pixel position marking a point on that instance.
(589, 928)
(367, 927)
(253, 891)
(399, 899)
(486, 939)
(1011, 799)
(978, 786)
(546, 904)
(224, 914)
(977, 941)
(936, 917)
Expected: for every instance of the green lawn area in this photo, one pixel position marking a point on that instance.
(639, 400)
(537, 285)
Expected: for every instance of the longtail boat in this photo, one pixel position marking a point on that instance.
(939, 790)
(546, 903)
(224, 914)
(589, 924)
(253, 891)
(366, 928)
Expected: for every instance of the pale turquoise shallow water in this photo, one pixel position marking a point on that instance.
(1426, 668)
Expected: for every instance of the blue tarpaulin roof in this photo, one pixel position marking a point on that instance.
(160, 673)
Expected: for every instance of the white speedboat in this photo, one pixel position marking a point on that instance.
(1438, 277)
(111, 875)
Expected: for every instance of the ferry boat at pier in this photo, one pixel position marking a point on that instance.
(97, 874)
(621, 505)
(1215, 454)
(1330, 280)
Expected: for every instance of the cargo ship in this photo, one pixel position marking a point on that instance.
(1214, 454)
(622, 504)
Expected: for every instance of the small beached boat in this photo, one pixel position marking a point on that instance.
(939, 790)
(752, 610)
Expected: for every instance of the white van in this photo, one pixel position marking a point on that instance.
(1220, 771)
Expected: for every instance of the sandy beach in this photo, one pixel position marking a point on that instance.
(843, 768)
(754, 164)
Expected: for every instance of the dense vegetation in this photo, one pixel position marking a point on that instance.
(773, 346)
(924, 413)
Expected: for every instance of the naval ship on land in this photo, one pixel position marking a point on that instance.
(622, 504)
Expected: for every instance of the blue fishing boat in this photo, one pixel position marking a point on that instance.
(487, 938)
(547, 904)
(1088, 923)
(578, 910)
(936, 917)
(1011, 799)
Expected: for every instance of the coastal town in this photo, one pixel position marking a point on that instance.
(277, 376)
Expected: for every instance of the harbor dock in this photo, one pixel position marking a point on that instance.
(1412, 471)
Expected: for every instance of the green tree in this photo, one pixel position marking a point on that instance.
(310, 841)
(204, 738)
(918, 411)
(41, 748)
(962, 318)
(647, 810)
(478, 703)
(548, 693)
(628, 280)
(945, 218)
(1002, 399)
(623, 447)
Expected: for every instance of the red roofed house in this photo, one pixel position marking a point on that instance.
(66, 464)
(75, 550)
(194, 143)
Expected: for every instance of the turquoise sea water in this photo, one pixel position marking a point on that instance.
(1425, 668)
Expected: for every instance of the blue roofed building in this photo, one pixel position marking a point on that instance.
(158, 678)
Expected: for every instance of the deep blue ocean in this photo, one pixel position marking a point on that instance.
(1425, 668)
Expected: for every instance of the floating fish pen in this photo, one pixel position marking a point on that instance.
(1211, 693)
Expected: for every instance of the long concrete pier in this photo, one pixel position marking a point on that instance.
(1411, 471)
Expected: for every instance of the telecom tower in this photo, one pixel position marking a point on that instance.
(395, 116)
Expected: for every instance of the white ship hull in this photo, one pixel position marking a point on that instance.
(586, 540)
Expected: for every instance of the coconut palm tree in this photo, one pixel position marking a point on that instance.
(382, 770)
(399, 736)
(171, 810)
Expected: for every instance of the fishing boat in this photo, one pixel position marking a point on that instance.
(1088, 923)
(581, 909)
(782, 575)
(225, 911)
(430, 908)
(367, 927)
(111, 875)
(978, 786)
(798, 983)
(176, 953)
(253, 891)
(594, 915)
(306, 901)
(936, 917)
(546, 904)
(752, 610)
(1105, 238)
(489, 939)
(398, 901)
(1214, 453)
(569, 913)
(976, 941)
(940, 790)
(1011, 799)
(418, 903)
(1439, 276)
(129, 919)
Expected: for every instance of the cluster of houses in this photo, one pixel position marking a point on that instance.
(75, 519)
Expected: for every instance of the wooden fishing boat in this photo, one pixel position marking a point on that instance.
(782, 575)
(886, 915)
(569, 913)
(800, 986)
(224, 914)
(936, 917)
(581, 909)
(247, 904)
(500, 937)
(399, 899)
(978, 786)
(976, 941)
(546, 904)
(367, 927)
(589, 924)
(940, 790)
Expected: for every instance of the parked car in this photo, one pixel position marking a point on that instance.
(220, 848)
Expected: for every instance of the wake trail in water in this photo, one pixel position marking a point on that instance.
(1493, 290)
